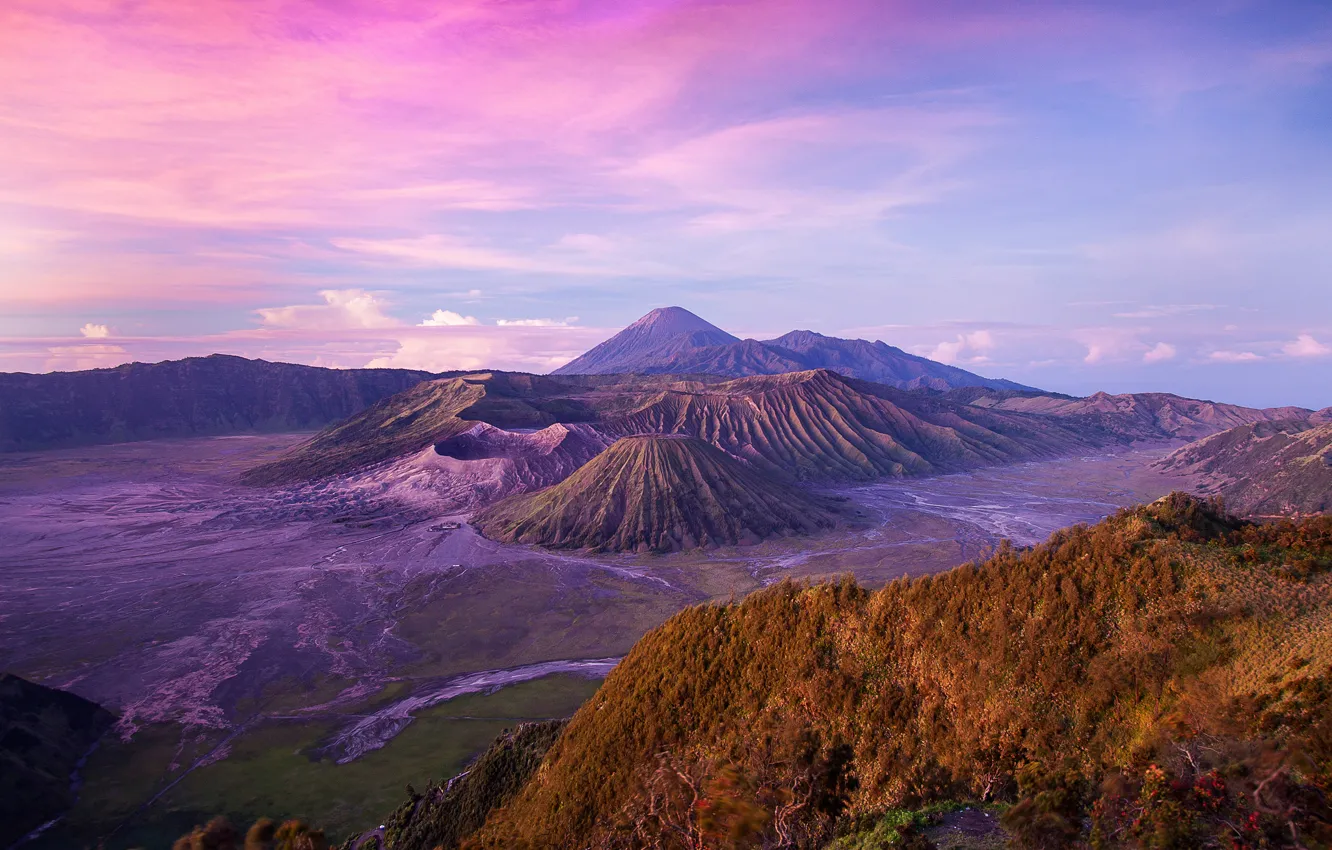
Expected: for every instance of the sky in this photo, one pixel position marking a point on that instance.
(1082, 196)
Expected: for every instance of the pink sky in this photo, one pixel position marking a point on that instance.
(182, 173)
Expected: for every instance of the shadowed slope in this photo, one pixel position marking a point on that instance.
(44, 734)
(197, 396)
(1264, 468)
(1167, 635)
(660, 494)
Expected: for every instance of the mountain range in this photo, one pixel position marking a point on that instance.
(197, 396)
(672, 340)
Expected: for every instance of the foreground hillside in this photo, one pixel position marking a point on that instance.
(184, 398)
(1159, 680)
(657, 493)
(1264, 468)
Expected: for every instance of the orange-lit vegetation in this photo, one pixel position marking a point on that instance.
(1102, 682)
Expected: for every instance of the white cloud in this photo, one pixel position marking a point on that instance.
(343, 309)
(1306, 346)
(69, 358)
(536, 323)
(521, 348)
(1161, 352)
(448, 319)
(91, 331)
(1234, 356)
(967, 348)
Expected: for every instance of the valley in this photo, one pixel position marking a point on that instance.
(259, 637)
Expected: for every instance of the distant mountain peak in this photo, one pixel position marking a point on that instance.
(672, 321)
(660, 335)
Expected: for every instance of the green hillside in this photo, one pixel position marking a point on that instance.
(659, 494)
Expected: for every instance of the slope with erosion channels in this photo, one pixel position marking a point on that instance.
(1264, 468)
(814, 425)
(657, 493)
(820, 425)
(197, 396)
(1163, 678)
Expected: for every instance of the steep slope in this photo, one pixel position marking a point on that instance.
(44, 735)
(1264, 468)
(401, 424)
(180, 398)
(656, 493)
(447, 813)
(1167, 672)
(1136, 415)
(660, 335)
(673, 341)
(822, 426)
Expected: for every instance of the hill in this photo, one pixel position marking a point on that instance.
(1161, 679)
(197, 396)
(671, 340)
(656, 493)
(1264, 468)
(44, 736)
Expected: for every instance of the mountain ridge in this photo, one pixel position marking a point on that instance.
(671, 340)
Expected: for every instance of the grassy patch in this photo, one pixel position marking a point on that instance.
(272, 770)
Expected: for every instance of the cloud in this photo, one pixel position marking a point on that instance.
(525, 348)
(536, 323)
(1306, 346)
(1163, 311)
(448, 318)
(967, 348)
(70, 358)
(1159, 353)
(342, 309)
(91, 331)
(1234, 356)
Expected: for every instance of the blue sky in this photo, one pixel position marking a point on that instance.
(1079, 196)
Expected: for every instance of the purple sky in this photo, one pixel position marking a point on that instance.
(1079, 196)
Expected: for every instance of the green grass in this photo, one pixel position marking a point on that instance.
(271, 770)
